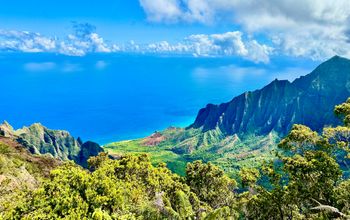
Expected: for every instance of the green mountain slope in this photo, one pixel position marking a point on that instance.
(244, 131)
(281, 104)
(59, 144)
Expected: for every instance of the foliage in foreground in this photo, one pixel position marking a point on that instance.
(129, 188)
(305, 182)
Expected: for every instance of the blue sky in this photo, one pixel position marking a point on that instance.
(303, 29)
(117, 20)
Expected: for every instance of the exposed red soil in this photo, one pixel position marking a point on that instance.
(154, 139)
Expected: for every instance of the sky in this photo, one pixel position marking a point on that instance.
(258, 31)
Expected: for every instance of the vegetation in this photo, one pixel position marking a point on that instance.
(175, 162)
(306, 181)
(20, 170)
(129, 188)
(230, 153)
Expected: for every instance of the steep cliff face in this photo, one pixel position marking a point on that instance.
(60, 144)
(308, 100)
(41, 140)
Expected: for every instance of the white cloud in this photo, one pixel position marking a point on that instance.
(25, 41)
(230, 43)
(315, 44)
(160, 10)
(226, 44)
(180, 10)
(254, 14)
(84, 40)
(305, 28)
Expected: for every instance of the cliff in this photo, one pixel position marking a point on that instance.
(57, 143)
(308, 100)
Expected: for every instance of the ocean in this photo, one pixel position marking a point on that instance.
(113, 97)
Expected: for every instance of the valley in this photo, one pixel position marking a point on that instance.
(245, 131)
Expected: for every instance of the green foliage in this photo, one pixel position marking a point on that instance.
(175, 162)
(299, 139)
(306, 180)
(19, 171)
(343, 111)
(181, 146)
(128, 188)
(210, 184)
(249, 176)
(342, 197)
(224, 213)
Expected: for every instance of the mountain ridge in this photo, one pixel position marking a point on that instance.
(280, 104)
(38, 139)
(245, 131)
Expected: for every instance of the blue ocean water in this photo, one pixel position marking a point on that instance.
(111, 97)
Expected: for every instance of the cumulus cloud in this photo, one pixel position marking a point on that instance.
(230, 44)
(307, 28)
(225, 44)
(83, 40)
(254, 14)
(25, 41)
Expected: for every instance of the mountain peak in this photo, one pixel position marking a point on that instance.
(6, 124)
(335, 60)
(337, 57)
(6, 129)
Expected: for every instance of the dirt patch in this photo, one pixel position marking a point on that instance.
(154, 139)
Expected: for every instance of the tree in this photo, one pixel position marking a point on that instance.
(210, 184)
(128, 188)
(306, 179)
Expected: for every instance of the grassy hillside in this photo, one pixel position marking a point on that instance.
(177, 147)
(175, 162)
